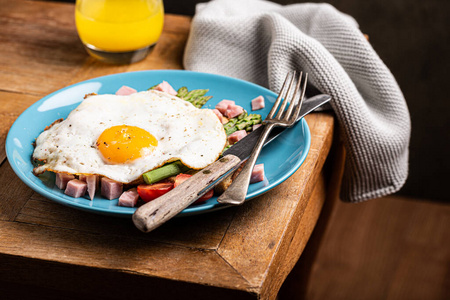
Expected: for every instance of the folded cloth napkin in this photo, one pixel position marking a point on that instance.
(260, 41)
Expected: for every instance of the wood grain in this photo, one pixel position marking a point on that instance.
(204, 233)
(14, 193)
(32, 60)
(11, 106)
(243, 252)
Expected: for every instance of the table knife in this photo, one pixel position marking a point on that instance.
(154, 213)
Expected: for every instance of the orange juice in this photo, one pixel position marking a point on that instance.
(119, 25)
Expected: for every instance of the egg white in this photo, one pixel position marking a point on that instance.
(184, 132)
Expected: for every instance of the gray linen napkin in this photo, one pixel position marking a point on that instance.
(260, 41)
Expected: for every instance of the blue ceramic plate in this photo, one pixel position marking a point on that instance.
(281, 158)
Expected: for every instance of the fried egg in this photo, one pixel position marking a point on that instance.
(122, 137)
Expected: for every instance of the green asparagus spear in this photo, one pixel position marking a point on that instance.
(243, 121)
(242, 125)
(196, 97)
(194, 94)
(182, 92)
(242, 116)
(164, 172)
(230, 130)
(200, 101)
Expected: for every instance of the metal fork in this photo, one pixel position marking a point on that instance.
(236, 192)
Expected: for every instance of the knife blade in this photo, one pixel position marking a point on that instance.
(154, 213)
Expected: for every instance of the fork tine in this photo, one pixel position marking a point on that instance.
(237, 191)
(294, 99)
(283, 94)
(286, 98)
(300, 101)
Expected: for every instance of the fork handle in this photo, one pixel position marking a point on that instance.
(235, 194)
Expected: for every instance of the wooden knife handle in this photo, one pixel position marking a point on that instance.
(154, 213)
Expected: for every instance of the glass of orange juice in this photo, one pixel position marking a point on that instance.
(119, 31)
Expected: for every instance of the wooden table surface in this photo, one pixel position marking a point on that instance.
(241, 252)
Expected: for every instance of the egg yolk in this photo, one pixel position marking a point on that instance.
(122, 144)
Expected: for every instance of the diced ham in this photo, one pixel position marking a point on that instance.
(222, 119)
(111, 189)
(234, 111)
(218, 114)
(62, 179)
(236, 136)
(75, 188)
(129, 198)
(223, 105)
(125, 90)
(256, 126)
(92, 184)
(166, 87)
(258, 103)
(257, 173)
(229, 109)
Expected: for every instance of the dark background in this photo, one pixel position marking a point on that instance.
(412, 38)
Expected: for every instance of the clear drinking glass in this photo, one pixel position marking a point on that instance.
(119, 31)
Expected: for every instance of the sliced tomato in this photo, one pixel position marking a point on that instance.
(149, 192)
(180, 178)
(205, 197)
(183, 177)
